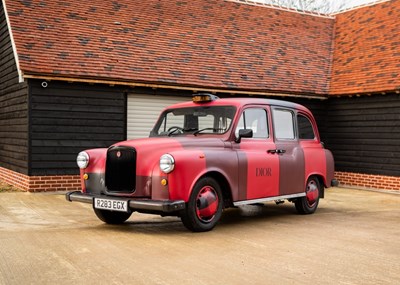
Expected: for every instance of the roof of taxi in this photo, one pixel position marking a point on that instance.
(241, 102)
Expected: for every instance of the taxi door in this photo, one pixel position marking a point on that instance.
(258, 167)
(289, 151)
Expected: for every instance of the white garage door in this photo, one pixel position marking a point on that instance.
(143, 112)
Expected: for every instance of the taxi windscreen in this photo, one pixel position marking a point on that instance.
(194, 120)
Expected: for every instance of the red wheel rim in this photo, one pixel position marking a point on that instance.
(312, 193)
(207, 204)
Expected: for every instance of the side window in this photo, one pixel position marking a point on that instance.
(306, 131)
(255, 119)
(283, 124)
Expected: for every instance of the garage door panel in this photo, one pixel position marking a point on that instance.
(144, 110)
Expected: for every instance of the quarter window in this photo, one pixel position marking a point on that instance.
(306, 131)
(283, 124)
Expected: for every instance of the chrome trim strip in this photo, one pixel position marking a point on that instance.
(262, 200)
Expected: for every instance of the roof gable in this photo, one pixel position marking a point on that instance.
(197, 43)
(367, 57)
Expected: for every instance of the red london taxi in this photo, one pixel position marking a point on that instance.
(207, 155)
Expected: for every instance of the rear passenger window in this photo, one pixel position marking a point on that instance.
(283, 124)
(306, 131)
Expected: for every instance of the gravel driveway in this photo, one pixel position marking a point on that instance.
(353, 238)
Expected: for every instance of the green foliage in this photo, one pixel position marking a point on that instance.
(7, 188)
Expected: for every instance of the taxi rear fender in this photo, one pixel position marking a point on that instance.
(330, 168)
(322, 181)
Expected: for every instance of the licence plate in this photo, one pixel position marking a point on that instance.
(110, 204)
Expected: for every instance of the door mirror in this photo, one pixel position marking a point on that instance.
(244, 133)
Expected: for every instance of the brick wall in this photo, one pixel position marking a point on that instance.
(368, 180)
(40, 183)
(72, 182)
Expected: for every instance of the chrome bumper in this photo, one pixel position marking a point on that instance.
(139, 205)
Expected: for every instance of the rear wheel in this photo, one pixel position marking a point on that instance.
(112, 217)
(204, 208)
(309, 203)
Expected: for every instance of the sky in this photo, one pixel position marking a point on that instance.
(353, 3)
(348, 4)
(335, 4)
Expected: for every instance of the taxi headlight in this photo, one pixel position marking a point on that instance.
(82, 159)
(167, 163)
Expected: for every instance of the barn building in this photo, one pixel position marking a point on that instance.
(83, 74)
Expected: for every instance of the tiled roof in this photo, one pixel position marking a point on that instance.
(367, 50)
(195, 43)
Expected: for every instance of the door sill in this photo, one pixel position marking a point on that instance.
(262, 200)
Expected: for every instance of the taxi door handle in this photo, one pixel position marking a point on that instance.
(278, 151)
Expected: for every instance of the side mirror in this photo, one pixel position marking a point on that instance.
(244, 133)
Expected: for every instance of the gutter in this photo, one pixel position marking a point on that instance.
(14, 47)
(176, 87)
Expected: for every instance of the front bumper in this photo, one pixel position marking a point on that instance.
(139, 205)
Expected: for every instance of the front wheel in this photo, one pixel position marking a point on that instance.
(204, 208)
(112, 217)
(309, 203)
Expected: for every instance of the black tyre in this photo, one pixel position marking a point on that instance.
(112, 217)
(204, 208)
(309, 203)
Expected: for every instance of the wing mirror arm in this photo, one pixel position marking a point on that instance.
(244, 133)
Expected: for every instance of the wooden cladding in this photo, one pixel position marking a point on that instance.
(67, 118)
(13, 107)
(364, 133)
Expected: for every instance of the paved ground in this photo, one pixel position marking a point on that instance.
(353, 238)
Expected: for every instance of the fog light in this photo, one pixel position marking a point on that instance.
(164, 182)
(85, 176)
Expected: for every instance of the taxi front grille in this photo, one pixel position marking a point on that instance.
(121, 169)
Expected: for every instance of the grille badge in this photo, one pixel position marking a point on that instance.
(118, 154)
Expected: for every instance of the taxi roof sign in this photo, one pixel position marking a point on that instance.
(204, 98)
